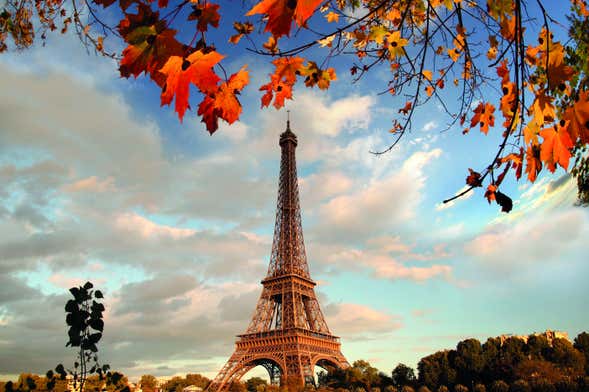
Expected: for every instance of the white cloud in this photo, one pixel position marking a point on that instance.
(147, 228)
(351, 321)
(381, 204)
(532, 241)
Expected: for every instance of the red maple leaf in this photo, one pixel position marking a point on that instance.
(223, 103)
(180, 72)
(533, 162)
(281, 81)
(206, 14)
(282, 12)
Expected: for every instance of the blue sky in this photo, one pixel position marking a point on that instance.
(175, 225)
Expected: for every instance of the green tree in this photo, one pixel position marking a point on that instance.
(543, 385)
(435, 369)
(197, 380)
(253, 383)
(520, 386)
(479, 388)
(175, 384)
(582, 344)
(403, 375)
(148, 383)
(237, 386)
(537, 347)
(499, 386)
(365, 374)
(569, 360)
(469, 361)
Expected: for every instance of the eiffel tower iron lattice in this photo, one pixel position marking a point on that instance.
(288, 334)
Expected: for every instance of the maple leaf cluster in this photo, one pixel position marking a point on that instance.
(540, 112)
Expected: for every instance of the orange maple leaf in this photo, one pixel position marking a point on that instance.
(533, 162)
(490, 193)
(483, 115)
(407, 108)
(181, 72)
(542, 108)
(281, 81)
(578, 116)
(242, 29)
(224, 103)
(558, 72)
(556, 147)
(281, 13)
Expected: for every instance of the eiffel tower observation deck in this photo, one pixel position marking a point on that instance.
(288, 334)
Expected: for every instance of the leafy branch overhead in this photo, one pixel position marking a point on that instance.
(512, 77)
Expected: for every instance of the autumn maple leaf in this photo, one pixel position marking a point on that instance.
(533, 162)
(281, 13)
(578, 116)
(556, 147)
(483, 115)
(396, 44)
(316, 76)
(150, 44)
(148, 52)
(224, 103)
(206, 14)
(281, 81)
(180, 72)
(542, 109)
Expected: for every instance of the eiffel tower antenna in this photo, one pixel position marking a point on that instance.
(287, 334)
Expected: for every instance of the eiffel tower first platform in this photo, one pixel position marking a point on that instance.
(288, 334)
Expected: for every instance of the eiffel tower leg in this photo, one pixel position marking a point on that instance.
(239, 364)
(227, 373)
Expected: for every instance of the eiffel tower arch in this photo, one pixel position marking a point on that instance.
(287, 334)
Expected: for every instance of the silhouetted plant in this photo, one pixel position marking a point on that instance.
(84, 317)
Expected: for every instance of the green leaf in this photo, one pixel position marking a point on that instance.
(71, 306)
(98, 294)
(94, 338)
(97, 324)
(97, 306)
(88, 285)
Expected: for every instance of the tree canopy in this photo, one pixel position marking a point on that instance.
(501, 67)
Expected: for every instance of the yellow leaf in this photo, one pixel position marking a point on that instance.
(332, 17)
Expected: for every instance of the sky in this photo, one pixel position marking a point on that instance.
(175, 226)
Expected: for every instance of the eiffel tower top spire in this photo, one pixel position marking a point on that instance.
(288, 247)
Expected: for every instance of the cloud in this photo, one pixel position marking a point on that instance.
(147, 228)
(91, 184)
(381, 204)
(513, 246)
(354, 321)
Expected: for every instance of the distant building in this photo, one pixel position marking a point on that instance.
(192, 388)
(550, 335)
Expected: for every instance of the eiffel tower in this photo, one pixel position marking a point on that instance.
(288, 334)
